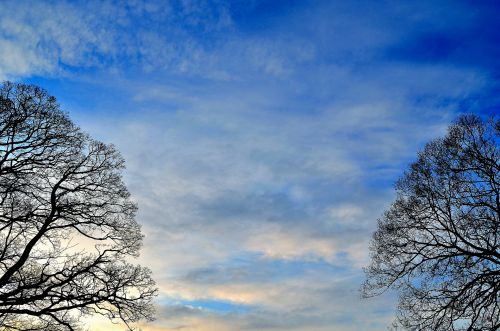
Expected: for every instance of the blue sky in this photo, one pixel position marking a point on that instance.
(262, 138)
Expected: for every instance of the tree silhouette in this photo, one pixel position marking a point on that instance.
(67, 223)
(439, 242)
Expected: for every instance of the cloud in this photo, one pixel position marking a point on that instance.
(222, 175)
(275, 243)
(55, 38)
(311, 301)
(66, 38)
(218, 185)
(39, 37)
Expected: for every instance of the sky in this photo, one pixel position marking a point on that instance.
(262, 138)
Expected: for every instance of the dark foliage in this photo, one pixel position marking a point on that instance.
(439, 242)
(66, 222)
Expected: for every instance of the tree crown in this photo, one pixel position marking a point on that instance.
(439, 242)
(67, 222)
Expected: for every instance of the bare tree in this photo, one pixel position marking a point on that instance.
(67, 224)
(439, 242)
